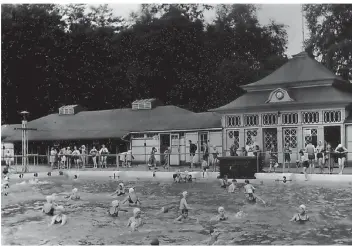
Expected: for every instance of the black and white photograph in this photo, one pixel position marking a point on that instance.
(176, 123)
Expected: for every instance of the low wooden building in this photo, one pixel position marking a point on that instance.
(299, 102)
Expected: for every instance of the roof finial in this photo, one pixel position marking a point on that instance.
(302, 13)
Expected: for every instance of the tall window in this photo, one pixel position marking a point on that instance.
(289, 118)
(310, 117)
(251, 120)
(250, 135)
(203, 138)
(290, 137)
(233, 138)
(233, 120)
(332, 116)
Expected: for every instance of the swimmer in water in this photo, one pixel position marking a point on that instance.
(184, 207)
(136, 221)
(301, 216)
(120, 190)
(225, 182)
(214, 234)
(74, 195)
(49, 206)
(249, 193)
(60, 217)
(221, 216)
(132, 198)
(232, 186)
(166, 209)
(115, 209)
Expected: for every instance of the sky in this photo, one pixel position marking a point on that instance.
(287, 14)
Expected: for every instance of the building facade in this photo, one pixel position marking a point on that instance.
(299, 102)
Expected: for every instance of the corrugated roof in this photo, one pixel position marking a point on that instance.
(298, 69)
(115, 123)
(314, 95)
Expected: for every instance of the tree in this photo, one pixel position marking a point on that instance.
(330, 39)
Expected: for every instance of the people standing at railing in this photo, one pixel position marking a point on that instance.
(233, 149)
(52, 157)
(8, 158)
(273, 158)
(83, 155)
(76, 156)
(93, 152)
(103, 153)
(310, 150)
(287, 155)
(341, 157)
(62, 156)
(68, 157)
(214, 156)
(192, 152)
(152, 159)
(320, 157)
(167, 153)
(329, 160)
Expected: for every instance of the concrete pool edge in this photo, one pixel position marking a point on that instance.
(301, 177)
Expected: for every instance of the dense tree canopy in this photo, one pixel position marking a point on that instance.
(75, 54)
(330, 27)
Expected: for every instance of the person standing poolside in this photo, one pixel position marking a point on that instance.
(152, 160)
(304, 163)
(83, 155)
(341, 155)
(63, 158)
(328, 158)
(93, 152)
(129, 157)
(53, 154)
(301, 216)
(136, 221)
(167, 153)
(310, 150)
(233, 149)
(205, 150)
(205, 168)
(192, 152)
(104, 154)
(273, 158)
(287, 157)
(60, 217)
(214, 154)
(320, 150)
(76, 156)
(68, 157)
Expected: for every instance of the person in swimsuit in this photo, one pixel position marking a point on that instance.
(249, 191)
(301, 216)
(120, 190)
(166, 209)
(49, 206)
(132, 198)
(76, 156)
(305, 163)
(225, 182)
(60, 217)
(341, 157)
(205, 168)
(184, 207)
(232, 186)
(5, 171)
(287, 157)
(136, 221)
(94, 152)
(320, 150)
(177, 176)
(310, 149)
(221, 215)
(115, 209)
(74, 195)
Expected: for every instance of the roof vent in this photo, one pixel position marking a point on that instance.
(70, 109)
(146, 104)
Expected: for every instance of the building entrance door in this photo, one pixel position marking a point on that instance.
(269, 138)
(332, 135)
(175, 150)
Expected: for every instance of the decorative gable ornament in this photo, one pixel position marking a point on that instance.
(279, 95)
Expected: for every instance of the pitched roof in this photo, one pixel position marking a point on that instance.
(114, 123)
(309, 95)
(300, 68)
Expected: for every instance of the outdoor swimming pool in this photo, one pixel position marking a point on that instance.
(329, 207)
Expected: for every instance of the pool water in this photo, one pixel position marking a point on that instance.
(329, 207)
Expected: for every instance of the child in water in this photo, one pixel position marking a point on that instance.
(120, 190)
(225, 182)
(132, 198)
(301, 216)
(136, 221)
(232, 186)
(49, 206)
(59, 218)
(184, 207)
(74, 195)
(115, 209)
(221, 215)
